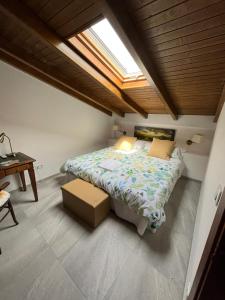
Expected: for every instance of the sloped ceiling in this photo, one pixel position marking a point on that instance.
(184, 39)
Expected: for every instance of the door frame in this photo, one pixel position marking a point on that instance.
(214, 237)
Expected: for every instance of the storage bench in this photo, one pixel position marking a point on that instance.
(85, 200)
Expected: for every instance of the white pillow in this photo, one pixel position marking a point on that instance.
(147, 145)
(138, 145)
(142, 145)
(177, 153)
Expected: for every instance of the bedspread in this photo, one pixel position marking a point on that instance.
(143, 182)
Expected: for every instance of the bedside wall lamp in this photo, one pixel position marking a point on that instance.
(116, 128)
(197, 139)
(2, 137)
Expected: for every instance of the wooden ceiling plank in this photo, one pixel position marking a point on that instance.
(193, 38)
(207, 58)
(52, 8)
(198, 53)
(139, 4)
(220, 105)
(70, 11)
(189, 30)
(176, 12)
(119, 18)
(193, 65)
(48, 74)
(210, 42)
(36, 4)
(155, 8)
(190, 19)
(197, 79)
(194, 70)
(79, 22)
(195, 75)
(25, 16)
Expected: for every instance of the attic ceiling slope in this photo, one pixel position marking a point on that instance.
(50, 75)
(117, 14)
(187, 39)
(37, 27)
(24, 51)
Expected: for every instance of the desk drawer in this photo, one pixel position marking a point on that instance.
(23, 167)
(17, 169)
(2, 174)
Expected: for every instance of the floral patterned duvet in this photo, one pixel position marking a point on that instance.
(143, 182)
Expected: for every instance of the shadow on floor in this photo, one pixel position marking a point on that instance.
(160, 241)
(75, 218)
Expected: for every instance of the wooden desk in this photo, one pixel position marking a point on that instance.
(25, 163)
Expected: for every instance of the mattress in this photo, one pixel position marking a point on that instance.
(141, 182)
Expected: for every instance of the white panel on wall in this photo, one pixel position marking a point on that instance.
(195, 165)
(46, 123)
(214, 178)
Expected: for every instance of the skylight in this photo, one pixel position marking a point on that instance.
(114, 47)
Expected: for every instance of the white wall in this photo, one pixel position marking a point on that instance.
(215, 176)
(46, 123)
(185, 127)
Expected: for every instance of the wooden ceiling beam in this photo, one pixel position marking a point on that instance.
(220, 105)
(117, 14)
(134, 84)
(34, 24)
(79, 44)
(49, 75)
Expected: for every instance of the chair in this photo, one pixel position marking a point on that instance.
(6, 203)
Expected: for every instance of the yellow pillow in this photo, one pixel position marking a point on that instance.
(161, 148)
(125, 143)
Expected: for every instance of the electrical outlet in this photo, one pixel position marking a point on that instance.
(218, 194)
(38, 167)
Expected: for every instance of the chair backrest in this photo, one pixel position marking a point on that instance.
(4, 185)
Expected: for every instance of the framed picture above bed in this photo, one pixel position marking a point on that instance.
(148, 133)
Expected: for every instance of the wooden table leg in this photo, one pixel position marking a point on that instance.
(12, 212)
(22, 177)
(33, 182)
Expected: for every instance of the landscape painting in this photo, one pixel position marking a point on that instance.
(148, 133)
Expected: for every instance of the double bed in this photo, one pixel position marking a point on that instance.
(139, 185)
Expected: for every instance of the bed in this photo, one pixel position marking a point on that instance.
(139, 186)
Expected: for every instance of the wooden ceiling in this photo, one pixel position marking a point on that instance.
(179, 46)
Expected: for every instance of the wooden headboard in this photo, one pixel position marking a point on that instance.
(148, 133)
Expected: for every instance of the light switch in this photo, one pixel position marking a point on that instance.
(218, 194)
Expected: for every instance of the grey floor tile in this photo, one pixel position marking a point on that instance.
(48, 193)
(43, 279)
(32, 209)
(167, 252)
(99, 257)
(60, 230)
(182, 207)
(139, 280)
(20, 245)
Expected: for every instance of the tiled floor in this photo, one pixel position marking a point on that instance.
(51, 255)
